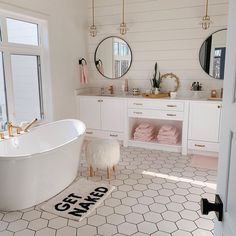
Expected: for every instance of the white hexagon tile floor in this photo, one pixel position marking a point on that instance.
(157, 193)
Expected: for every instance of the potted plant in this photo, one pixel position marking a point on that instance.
(156, 80)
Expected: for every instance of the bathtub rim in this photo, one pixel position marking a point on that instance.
(28, 156)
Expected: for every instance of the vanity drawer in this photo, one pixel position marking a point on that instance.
(155, 114)
(114, 135)
(156, 105)
(93, 133)
(104, 134)
(203, 146)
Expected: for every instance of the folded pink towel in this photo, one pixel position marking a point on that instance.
(144, 135)
(167, 127)
(145, 130)
(145, 139)
(170, 132)
(163, 137)
(168, 139)
(144, 125)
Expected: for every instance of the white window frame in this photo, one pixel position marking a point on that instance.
(42, 51)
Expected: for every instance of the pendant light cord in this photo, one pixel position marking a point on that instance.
(123, 12)
(93, 10)
(206, 7)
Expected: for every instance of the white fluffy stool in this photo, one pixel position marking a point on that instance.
(102, 154)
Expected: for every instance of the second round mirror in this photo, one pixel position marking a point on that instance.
(212, 54)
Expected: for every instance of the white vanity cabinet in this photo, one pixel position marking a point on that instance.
(103, 116)
(117, 117)
(112, 115)
(204, 125)
(90, 112)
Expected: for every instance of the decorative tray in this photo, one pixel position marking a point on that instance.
(215, 99)
(159, 95)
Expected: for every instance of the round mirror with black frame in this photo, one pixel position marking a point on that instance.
(212, 54)
(113, 57)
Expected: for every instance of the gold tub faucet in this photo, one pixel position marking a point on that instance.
(2, 136)
(26, 128)
(10, 128)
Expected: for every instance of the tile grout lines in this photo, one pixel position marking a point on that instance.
(157, 193)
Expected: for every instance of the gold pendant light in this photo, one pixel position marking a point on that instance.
(93, 28)
(206, 20)
(123, 26)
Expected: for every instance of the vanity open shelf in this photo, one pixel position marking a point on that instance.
(134, 122)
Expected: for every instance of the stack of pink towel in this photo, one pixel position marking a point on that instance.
(145, 132)
(168, 134)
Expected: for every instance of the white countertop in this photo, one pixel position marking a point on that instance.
(141, 97)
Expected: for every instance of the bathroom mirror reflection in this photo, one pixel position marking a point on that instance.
(212, 54)
(113, 57)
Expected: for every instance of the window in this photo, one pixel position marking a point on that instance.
(219, 63)
(22, 32)
(25, 76)
(121, 54)
(21, 82)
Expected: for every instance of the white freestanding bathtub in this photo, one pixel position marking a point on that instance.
(39, 164)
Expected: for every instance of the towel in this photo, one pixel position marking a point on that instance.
(83, 68)
(145, 131)
(144, 135)
(168, 140)
(167, 127)
(168, 132)
(171, 138)
(145, 139)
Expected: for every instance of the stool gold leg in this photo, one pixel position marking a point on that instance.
(114, 169)
(91, 171)
(108, 173)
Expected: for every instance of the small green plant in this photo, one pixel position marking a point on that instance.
(156, 80)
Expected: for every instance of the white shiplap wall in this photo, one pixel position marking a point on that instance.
(166, 31)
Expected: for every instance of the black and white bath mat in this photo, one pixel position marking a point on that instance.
(79, 200)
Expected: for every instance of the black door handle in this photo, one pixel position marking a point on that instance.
(217, 207)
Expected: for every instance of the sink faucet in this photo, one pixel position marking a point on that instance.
(111, 89)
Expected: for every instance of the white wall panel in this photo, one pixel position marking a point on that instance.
(166, 31)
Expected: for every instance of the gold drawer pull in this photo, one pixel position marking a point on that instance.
(138, 104)
(89, 132)
(138, 112)
(200, 145)
(171, 105)
(171, 114)
(114, 135)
